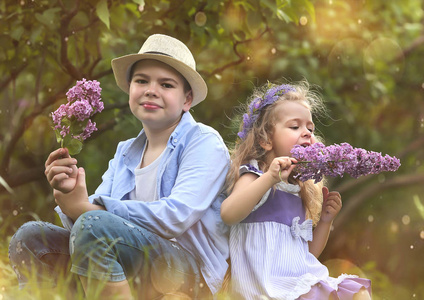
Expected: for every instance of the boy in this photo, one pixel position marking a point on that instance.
(156, 214)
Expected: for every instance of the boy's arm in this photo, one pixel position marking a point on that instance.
(196, 180)
(75, 202)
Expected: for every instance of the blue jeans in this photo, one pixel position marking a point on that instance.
(104, 246)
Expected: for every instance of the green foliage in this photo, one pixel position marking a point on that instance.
(365, 55)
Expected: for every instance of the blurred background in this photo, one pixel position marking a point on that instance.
(365, 57)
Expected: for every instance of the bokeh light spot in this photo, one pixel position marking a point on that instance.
(200, 18)
(406, 220)
(384, 56)
(370, 218)
(422, 234)
(345, 56)
(303, 20)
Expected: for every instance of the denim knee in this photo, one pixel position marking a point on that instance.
(92, 247)
(91, 228)
(30, 243)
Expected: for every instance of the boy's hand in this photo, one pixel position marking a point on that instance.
(61, 170)
(331, 205)
(73, 203)
(281, 167)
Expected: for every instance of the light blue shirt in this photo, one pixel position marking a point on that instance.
(190, 180)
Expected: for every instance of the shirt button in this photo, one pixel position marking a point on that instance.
(175, 140)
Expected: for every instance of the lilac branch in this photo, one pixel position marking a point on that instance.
(317, 161)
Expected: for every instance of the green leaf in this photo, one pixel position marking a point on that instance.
(48, 17)
(74, 146)
(16, 33)
(310, 9)
(5, 185)
(102, 12)
(58, 136)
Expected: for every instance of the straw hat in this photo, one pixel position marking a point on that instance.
(168, 50)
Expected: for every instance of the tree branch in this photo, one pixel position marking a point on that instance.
(24, 177)
(353, 203)
(241, 57)
(5, 82)
(17, 134)
(63, 32)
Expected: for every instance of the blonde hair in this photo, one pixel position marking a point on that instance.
(262, 129)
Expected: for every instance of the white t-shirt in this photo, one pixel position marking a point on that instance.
(145, 181)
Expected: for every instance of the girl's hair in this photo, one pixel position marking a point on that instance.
(261, 130)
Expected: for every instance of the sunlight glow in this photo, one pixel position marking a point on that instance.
(394, 227)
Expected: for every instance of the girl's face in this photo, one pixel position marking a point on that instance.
(294, 126)
(156, 95)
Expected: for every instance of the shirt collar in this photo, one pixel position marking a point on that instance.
(133, 153)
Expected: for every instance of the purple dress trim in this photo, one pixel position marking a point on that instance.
(346, 290)
(280, 207)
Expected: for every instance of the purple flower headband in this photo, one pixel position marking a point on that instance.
(257, 104)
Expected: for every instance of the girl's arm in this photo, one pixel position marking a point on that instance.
(250, 188)
(247, 192)
(332, 203)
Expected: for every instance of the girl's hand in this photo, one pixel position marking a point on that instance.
(281, 167)
(331, 205)
(61, 170)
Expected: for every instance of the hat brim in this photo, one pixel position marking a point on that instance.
(121, 68)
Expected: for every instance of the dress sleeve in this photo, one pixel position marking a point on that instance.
(252, 167)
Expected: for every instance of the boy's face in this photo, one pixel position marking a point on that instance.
(156, 95)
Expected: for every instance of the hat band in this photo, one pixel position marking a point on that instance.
(156, 52)
(148, 52)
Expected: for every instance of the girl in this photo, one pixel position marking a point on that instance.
(273, 249)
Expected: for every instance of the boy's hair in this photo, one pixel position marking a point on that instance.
(187, 86)
(262, 129)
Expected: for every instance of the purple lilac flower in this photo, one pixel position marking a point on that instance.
(257, 104)
(72, 120)
(317, 161)
(88, 130)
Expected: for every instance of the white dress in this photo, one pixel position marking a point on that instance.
(269, 250)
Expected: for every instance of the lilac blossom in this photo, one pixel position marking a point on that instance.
(72, 122)
(317, 161)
